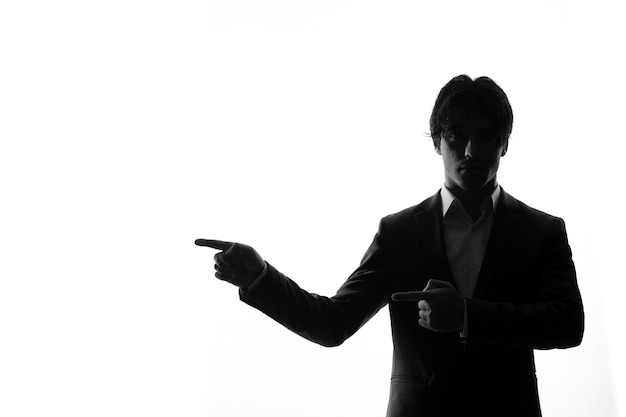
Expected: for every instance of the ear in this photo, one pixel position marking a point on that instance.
(505, 148)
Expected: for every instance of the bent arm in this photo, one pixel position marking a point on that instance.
(553, 315)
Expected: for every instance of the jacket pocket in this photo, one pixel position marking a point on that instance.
(409, 379)
(408, 396)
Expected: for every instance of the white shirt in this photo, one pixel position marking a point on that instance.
(465, 241)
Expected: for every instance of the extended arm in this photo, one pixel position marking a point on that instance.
(328, 321)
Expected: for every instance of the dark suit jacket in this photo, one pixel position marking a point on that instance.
(526, 298)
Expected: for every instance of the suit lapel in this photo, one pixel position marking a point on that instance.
(504, 227)
(431, 251)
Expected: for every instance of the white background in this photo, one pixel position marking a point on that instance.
(130, 128)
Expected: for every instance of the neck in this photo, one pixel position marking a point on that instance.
(472, 199)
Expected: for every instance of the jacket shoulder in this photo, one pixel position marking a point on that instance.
(527, 212)
(404, 218)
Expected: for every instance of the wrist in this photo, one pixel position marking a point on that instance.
(249, 286)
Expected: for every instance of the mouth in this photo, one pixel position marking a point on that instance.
(471, 171)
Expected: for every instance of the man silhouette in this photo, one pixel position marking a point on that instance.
(475, 279)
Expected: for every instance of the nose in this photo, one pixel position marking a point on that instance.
(471, 148)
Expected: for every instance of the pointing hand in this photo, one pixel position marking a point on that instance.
(237, 263)
(441, 307)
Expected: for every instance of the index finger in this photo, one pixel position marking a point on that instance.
(409, 296)
(215, 244)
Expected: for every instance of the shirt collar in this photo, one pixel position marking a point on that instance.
(447, 198)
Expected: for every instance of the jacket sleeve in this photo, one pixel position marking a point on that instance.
(328, 321)
(550, 317)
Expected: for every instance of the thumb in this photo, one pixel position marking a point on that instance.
(434, 284)
(408, 296)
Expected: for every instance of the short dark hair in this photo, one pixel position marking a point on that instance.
(462, 94)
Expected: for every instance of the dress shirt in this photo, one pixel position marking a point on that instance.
(465, 240)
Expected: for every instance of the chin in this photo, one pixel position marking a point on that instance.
(473, 185)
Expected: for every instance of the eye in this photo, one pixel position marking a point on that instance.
(487, 138)
(456, 137)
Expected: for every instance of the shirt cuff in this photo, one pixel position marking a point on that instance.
(256, 280)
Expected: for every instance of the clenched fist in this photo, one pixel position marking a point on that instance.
(237, 263)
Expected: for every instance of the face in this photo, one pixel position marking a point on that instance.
(471, 155)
